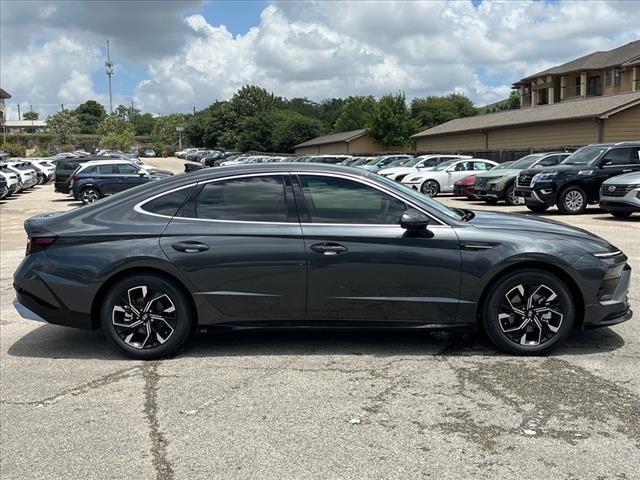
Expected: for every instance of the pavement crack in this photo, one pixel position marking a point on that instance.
(160, 461)
(80, 389)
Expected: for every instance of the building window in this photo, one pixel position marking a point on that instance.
(616, 77)
(608, 77)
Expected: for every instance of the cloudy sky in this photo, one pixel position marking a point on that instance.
(173, 55)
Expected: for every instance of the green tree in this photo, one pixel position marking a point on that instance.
(89, 115)
(329, 110)
(143, 123)
(63, 125)
(116, 132)
(164, 129)
(391, 123)
(432, 111)
(30, 115)
(355, 113)
(513, 102)
(255, 133)
(250, 101)
(291, 128)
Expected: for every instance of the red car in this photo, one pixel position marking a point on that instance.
(464, 187)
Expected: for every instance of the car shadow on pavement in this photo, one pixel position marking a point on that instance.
(53, 342)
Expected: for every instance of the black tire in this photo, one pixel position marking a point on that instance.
(537, 208)
(543, 288)
(572, 200)
(171, 326)
(430, 188)
(491, 201)
(509, 197)
(89, 195)
(621, 214)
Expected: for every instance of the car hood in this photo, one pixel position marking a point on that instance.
(625, 179)
(531, 223)
(507, 172)
(558, 168)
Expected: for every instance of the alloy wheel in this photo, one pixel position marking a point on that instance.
(430, 188)
(530, 314)
(144, 317)
(574, 200)
(90, 195)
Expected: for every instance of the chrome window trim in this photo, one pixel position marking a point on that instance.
(138, 206)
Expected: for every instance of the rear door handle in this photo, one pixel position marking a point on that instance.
(190, 247)
(327, 248)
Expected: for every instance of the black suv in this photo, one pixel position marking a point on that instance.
(575, 183)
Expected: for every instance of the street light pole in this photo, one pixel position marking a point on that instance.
(109, 66)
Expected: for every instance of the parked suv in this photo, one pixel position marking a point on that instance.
(620, 195)
(496, 185)
(64, 168)
(14, 184)
(94, 180)
(27, 175)
(576, 182)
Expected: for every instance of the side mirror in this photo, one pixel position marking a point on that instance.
(142, 173)
(604, 163)
(413, 220)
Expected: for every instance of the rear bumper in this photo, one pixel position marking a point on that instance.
(31, 307)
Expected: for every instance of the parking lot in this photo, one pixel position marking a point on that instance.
(316, 404)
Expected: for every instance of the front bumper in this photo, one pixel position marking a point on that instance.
(544, 195)
(627, 203)
(613, 311)
(490, 192)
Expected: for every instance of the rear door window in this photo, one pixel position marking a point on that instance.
(253, 199)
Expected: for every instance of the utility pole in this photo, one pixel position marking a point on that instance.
(109, 66)
(194, 109)
(19, 115)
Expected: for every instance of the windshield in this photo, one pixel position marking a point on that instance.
(421, 198)
(526, 162)
(503, 166)
(362, 161)
(445, 165)
(413, 162)
(584, 155)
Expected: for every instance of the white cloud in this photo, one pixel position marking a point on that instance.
(314, 49)
(324, 49)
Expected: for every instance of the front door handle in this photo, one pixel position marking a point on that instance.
(190, 247)
(328, 248)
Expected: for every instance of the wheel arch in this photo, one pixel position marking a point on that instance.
(117, 276)
(572, 285)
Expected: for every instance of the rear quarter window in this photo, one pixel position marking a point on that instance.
(169, 203)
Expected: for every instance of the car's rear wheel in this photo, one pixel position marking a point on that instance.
(528, 312)
(89, 195)
(572, 200)
(147, 316)
(537, 208)
(430, 187)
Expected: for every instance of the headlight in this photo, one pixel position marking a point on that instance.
(544, 177)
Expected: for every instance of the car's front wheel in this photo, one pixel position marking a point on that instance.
(147, 316)
(430, 187)
(89, 195)
(528, 312)
(572, 200)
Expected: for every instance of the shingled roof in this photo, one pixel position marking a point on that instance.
(333, 138)
(625, 55)
(594, 107)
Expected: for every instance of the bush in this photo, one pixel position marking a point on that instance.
(40, 152)
(13, 149)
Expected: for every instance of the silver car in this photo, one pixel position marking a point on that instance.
(620, 195)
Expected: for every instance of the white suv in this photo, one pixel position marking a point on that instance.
(620, 195)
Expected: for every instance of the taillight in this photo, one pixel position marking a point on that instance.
(38, 243)
(75, 178)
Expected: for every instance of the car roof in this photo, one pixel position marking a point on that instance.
(106, 162)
